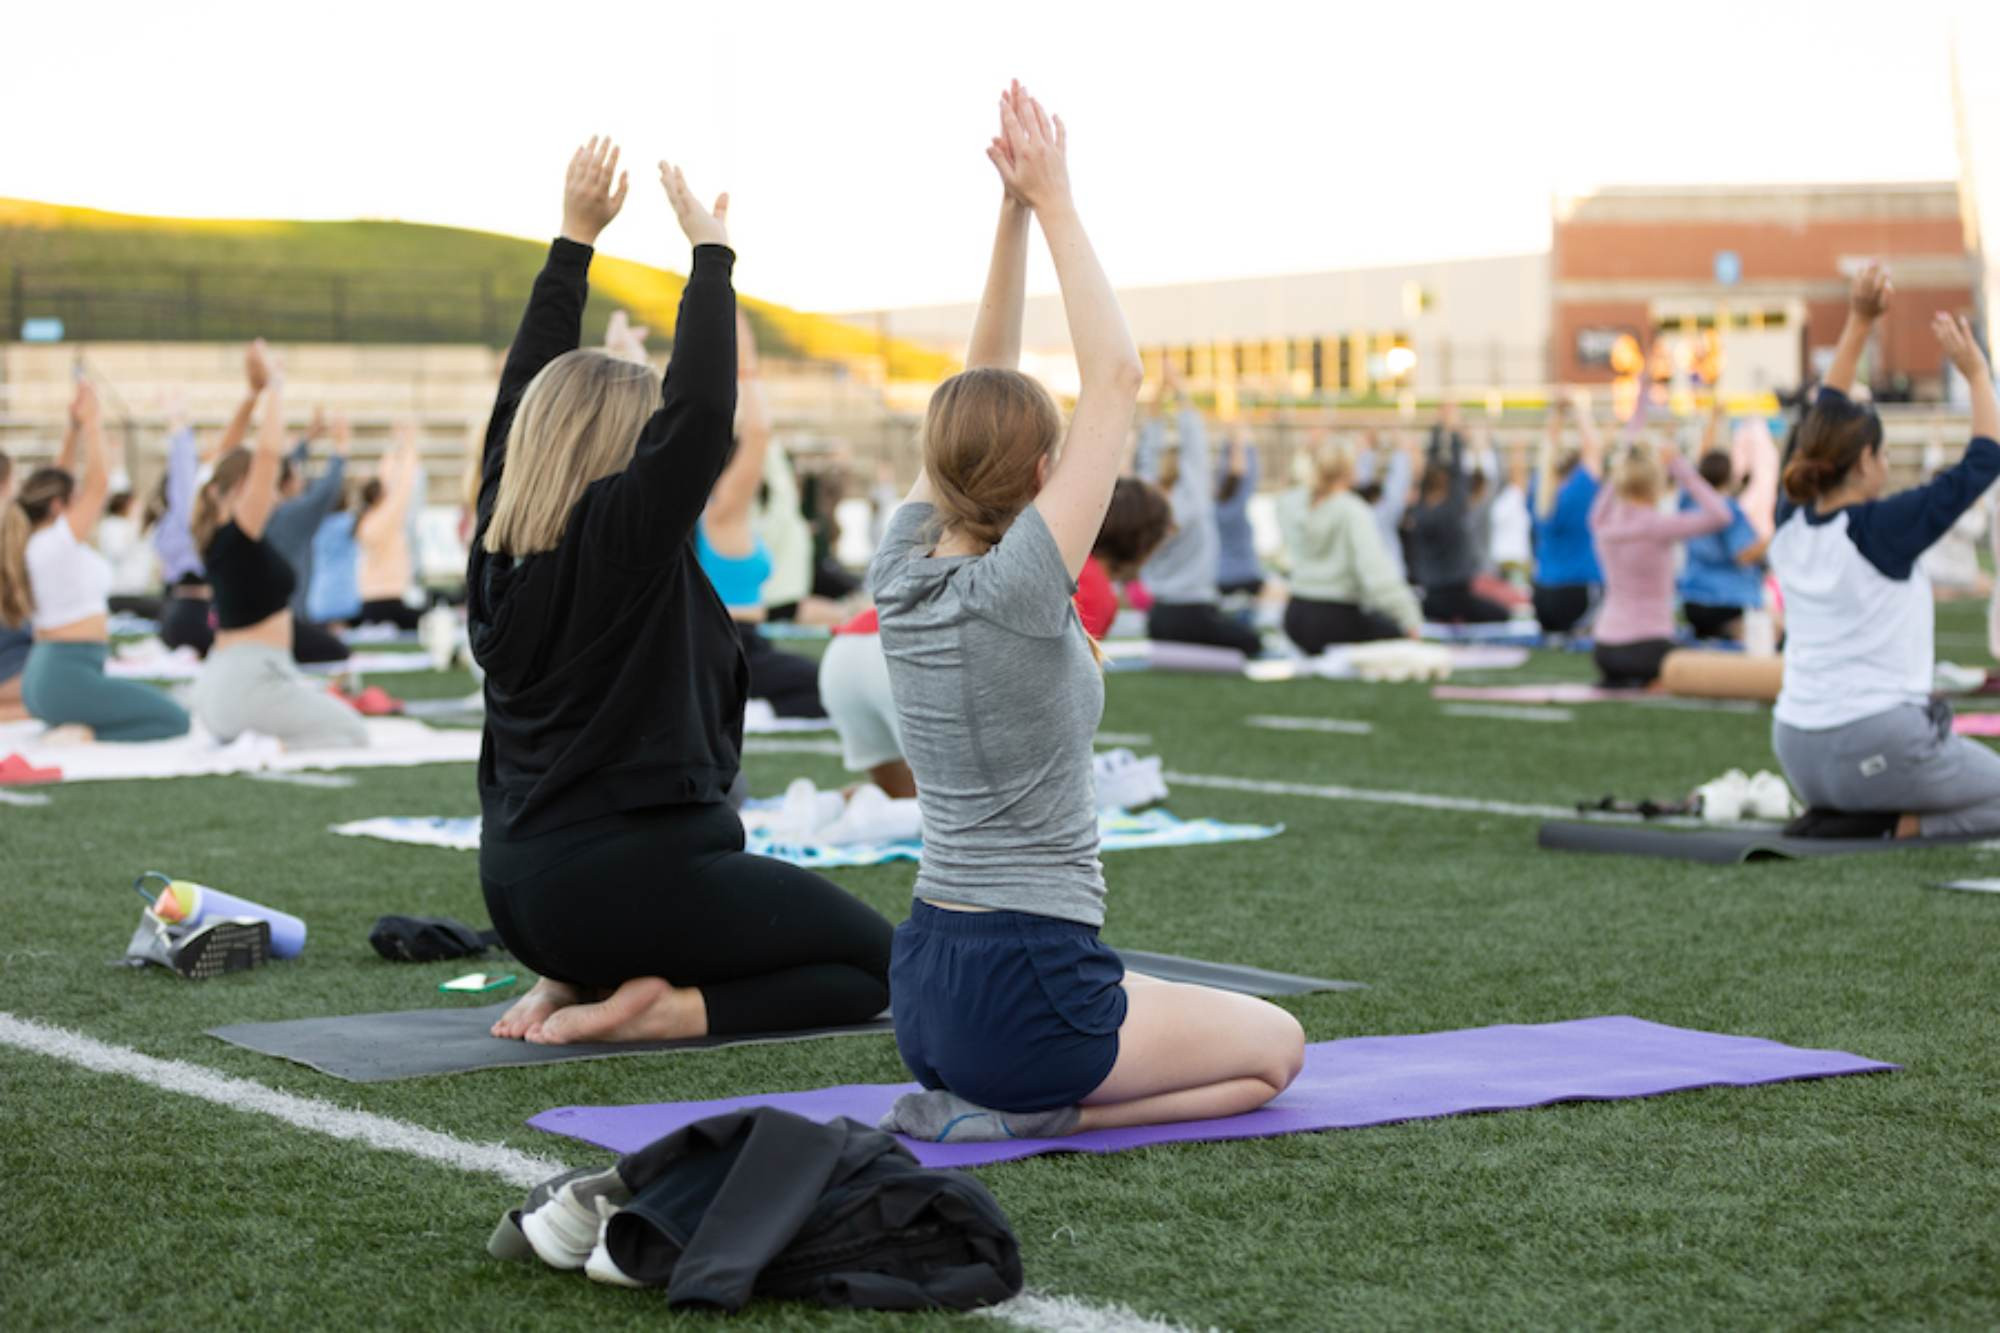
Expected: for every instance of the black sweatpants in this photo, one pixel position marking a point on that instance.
(1458, 602)
(395, 612)
(316, 643)
(669, 892)
(1201, 622)
(1315, 625)
(786, 681)
(1561, 607)
(1631, 665)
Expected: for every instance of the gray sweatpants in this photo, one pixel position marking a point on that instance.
(1904, 761)
(251, 687)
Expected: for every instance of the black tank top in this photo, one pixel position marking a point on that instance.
(251, 581)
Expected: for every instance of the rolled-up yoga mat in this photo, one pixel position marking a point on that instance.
(189, 905)
(1697, 673)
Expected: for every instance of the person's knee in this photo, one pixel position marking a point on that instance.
(1284, 1050)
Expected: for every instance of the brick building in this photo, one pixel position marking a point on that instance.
(1756, 274)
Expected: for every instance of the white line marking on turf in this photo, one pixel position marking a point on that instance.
(22, 797)
(1055, 1314)
(1509, 712)
(1123, 738)
(767, 745)
(238, 1094)
(1334, 724)
(1418, 799)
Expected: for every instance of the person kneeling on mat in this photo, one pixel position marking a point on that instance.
(1635, 545)
(1011, 1012)
(1855, 727)
(611, 861)
(1345, 589)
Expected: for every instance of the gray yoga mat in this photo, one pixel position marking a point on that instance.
(422, 1043)
(1719, 846)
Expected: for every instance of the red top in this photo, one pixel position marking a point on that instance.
(1096, 605)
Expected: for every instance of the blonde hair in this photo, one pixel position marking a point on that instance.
(19, 517)
(213, 497)
(577, 422)
(1638, 477)
(1329, 465)
(985, 434)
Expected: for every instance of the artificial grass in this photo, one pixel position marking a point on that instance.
(1857, 1200)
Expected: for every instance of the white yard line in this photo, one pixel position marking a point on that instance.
(1337, 725)
(1509, 712)
(773, 745)
(1031, 1309)
(1370, 795)
(8, 796)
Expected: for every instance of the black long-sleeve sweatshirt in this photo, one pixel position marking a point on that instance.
(614, 680)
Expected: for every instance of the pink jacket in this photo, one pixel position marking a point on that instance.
(1635, 547)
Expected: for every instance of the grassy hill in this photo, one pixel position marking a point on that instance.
(120, 276)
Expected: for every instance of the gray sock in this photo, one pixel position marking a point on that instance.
(945, 1117)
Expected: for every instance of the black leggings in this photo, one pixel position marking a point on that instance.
(184, 623)
(670, 892)
(1201, 622)
(1314, 625)
(389, 611)
(1561, 607)
(1631, 665)
(1458, 602)
(316, 643)
(1712, 622)
(786, 681)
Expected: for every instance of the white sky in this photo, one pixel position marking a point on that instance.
(1219, 139)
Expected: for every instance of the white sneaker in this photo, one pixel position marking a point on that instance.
(872, 815)
(1126, 782)
(599, 1266)
(437, 630)
(564, 1225)
(806, 811)
(1769, 796)
(1723, 800)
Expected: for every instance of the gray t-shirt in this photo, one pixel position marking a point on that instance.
(999, 695)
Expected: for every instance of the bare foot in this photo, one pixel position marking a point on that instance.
(533, 1009)
(72, 733)
(642, 1009)
(1910, 826)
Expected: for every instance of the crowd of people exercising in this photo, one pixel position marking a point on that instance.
(619, 593)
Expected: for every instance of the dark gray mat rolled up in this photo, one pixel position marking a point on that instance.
(422, 1043)
(1719, 846)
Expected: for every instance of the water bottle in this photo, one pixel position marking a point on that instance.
(184, 903)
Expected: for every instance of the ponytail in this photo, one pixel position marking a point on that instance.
(213, 497)
(19, 518)
(1832, 437)
(986, 433)
(17, 601)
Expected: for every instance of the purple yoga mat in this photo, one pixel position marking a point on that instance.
(1346, 1084)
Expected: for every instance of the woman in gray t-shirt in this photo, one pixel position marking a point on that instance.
(1011, 1012)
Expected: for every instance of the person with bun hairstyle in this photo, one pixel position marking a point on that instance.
(1855, 727)
(53, 580)
(1345, 588)
(1011, 1012)
(611, 860)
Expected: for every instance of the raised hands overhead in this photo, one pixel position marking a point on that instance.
(1032, 154)
(85, 413)
(257, 365)
(702, 226)
(1955, 336)
(746, 347)
(1868, 297)
(624, 339)
(590, 199)
(343, 435)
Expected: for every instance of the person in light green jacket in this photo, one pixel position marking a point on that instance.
(1345, 586)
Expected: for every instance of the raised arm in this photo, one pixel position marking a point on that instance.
(318, 498)
(1108, 369)
(260, 485)
(1867, 301)
(69, 452)
(736, 489)
(652, 510)
(1396, 474)
(553, 322)
(996, 332)
(1710, 512)
(86, 503)
(256, 375)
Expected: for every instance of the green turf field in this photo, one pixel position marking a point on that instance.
(1868, 1200)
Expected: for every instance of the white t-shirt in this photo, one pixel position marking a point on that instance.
(131, 557)
(70, 580)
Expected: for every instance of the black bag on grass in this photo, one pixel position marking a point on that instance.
(767, 1203)
(428, 939)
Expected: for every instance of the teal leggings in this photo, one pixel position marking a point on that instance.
(64, 684)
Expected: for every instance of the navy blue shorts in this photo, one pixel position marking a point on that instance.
(1013, 1011)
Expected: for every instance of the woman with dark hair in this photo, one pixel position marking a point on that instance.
(1855, 727)
(1444, 553)
(1237, 569)
(54, 581)
(1012, 1013)
(610, 858)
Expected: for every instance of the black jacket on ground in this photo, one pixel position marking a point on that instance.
(763, 1202)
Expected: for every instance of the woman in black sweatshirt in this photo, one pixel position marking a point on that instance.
(611, 860)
